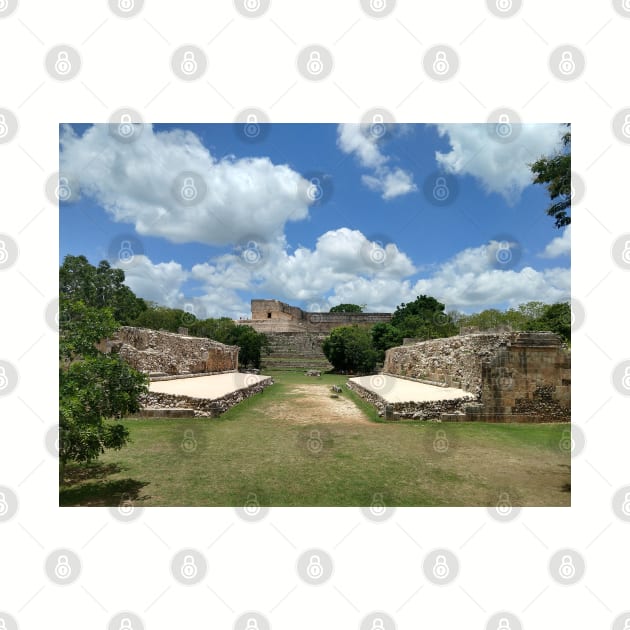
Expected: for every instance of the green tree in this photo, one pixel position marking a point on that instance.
(99, 287)
(555, 318)
(346, 308)
(349, 349)
(159, 317)
(93, 387)
(424, 318)
(384, 337)
(555, 173)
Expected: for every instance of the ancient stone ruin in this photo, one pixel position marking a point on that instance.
(273, 316)
(512, 376)
(160, 353)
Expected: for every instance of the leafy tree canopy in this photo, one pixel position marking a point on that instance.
(555, 173)
(346, 308)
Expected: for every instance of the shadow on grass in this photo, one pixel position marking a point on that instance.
(88, 485)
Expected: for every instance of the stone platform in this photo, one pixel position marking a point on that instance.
(205, 396)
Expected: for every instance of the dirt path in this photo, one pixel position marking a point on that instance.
(313, 404)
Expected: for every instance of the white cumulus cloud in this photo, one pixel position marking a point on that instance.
(500, 167)
(390, 182)
(134, 182)
(559, 246)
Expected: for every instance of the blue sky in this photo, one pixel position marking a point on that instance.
(315, 214)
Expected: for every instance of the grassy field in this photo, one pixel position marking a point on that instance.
(295, 445)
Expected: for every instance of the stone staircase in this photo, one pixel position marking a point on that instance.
(297, 351)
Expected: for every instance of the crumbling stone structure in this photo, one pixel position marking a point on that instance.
(273, 316)
(158, 352)
(513, 376)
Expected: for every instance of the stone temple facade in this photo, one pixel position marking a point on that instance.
(513, 376)
(273, 316)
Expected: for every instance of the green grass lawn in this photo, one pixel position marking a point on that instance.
(307, 460)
